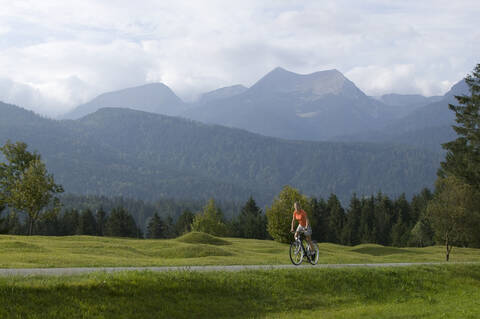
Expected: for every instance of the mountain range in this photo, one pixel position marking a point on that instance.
(318, 132)
(125, 152)
(320, 106)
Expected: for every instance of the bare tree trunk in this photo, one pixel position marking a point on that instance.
(448, 247)
(30, 227)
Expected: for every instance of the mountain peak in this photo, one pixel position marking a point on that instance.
(280, 80)
(151, 97)
(459, 88)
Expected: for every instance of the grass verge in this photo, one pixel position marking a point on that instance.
(413, 292)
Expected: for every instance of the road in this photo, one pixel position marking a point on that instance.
(83, 270)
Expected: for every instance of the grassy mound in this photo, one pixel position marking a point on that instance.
(378, 250)
(193, 252)
(202, 238)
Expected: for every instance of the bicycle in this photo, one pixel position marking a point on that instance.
(300, 248)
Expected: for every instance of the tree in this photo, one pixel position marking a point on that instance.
(350, 231)
(400, 231)
(336, 219)
(25, 184)
(169, 230)
(319, 219)
(120, 224)
(100, 220)
(422, 233)
(454, 212)
(33, 191)
(3, 221)
(463, 154)
(279, 215)
(155, 227)
(367, 221)
(184, 222)
(210, 220)
(251, 222)
(87, 224)
(69, 221)
(385, 216)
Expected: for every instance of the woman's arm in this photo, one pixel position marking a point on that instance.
(293, 222)
(307, 221)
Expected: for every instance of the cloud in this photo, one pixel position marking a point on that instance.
(63, 53)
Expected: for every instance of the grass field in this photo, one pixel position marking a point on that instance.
(194, 249)
(434, 292)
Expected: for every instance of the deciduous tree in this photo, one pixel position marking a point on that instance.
(25, 184)
(279, 215)
(454, 212)
(210, 221)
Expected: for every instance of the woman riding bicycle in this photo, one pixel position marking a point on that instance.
(303, 223)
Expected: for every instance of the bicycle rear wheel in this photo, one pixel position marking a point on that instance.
(296, 253)
(313, 259)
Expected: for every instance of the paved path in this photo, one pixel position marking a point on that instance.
(83, 270)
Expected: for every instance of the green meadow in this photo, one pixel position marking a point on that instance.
(436, 291)
(195, 249)
(446, 291)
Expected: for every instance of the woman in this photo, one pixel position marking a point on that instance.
(303, 223)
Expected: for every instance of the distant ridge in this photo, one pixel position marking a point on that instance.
(222, 93)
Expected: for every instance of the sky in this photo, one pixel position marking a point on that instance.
(57, 54)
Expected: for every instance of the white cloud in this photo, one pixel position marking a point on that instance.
(63, 53)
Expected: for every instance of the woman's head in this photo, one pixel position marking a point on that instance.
(296, 205)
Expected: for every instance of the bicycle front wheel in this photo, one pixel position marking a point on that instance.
(314, 257)
(296, 253)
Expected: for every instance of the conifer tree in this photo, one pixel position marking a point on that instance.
(336, 219)
(100, 220)
(251, 222)
(87, 224)
(155, 227)
(463, 154)
(120, 224)
(351, 229)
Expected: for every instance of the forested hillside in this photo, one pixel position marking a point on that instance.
(121, 152)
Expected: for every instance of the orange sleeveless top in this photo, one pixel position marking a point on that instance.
(301, 217)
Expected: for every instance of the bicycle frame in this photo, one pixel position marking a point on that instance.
(302, 239)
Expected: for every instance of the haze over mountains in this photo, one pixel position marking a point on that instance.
(320, 106)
